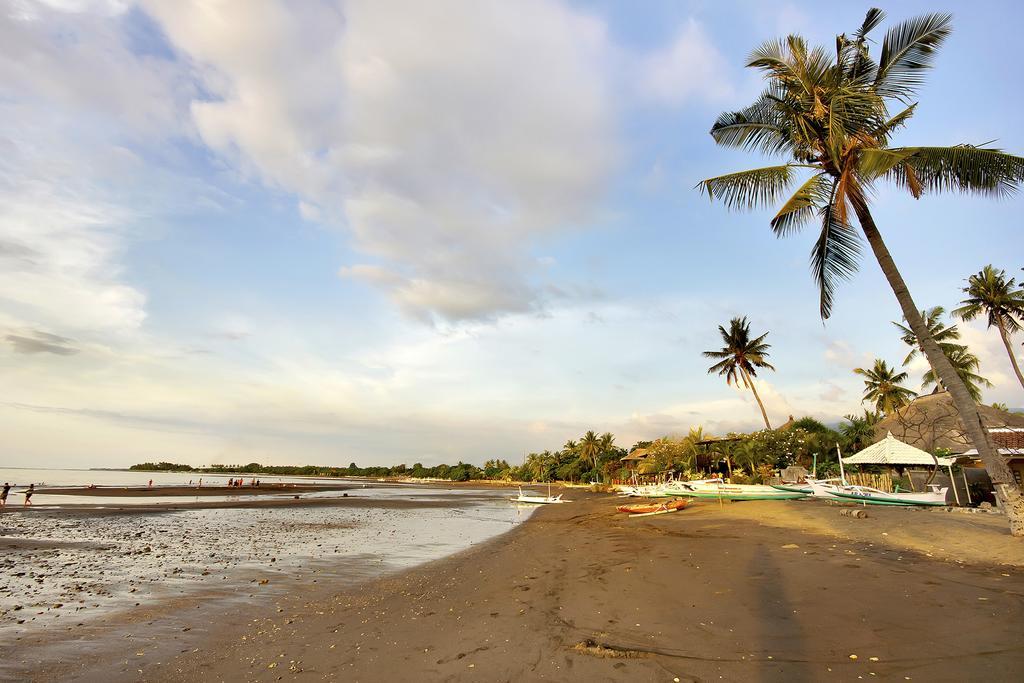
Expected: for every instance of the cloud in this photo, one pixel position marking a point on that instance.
(78, 56)
(67, 276)
(42, 342)
(445, 136)
(689, 69)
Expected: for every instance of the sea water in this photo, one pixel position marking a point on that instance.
(66, 563)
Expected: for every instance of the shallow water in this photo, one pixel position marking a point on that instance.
(60, 569)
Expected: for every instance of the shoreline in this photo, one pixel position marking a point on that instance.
(581, 592)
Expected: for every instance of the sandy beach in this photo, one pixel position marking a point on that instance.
(756, 590)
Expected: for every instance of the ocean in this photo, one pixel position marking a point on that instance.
(73, 558)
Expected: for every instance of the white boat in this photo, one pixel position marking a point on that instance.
(936, 497)
(824, 488)
(718, 489)
(871, 496)
(539, 500)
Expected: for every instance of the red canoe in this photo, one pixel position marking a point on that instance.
(650, 508)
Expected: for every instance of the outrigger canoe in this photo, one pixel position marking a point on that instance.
(862, 494)
(653, 508)
(721, 491)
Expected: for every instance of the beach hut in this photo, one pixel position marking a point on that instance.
(891, 452)
(634, 460)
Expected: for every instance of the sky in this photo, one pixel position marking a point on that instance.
(396, 232)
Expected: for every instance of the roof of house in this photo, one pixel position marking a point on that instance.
(636, 454)
(930, 422)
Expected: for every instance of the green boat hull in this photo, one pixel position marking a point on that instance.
(792, 489)
(884, 501)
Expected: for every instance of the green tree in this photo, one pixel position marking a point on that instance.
(882, 387)
(966, 365)
(859, 431)
(1001, 301)
(740, 358)
(827, 112)
(590, 447)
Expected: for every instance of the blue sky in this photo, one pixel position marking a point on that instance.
(399, 232)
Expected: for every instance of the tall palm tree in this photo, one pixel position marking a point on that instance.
(828, 113)
(882, 387)
(989, 293)
(966, 365)
(740, 358)
(590, 447)
(943, 336)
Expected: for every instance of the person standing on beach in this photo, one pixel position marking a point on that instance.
(28, 494)
(3, 496)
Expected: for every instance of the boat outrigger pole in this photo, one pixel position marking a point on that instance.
(842, 474)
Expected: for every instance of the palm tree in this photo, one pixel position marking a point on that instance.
(740, 356)
(858, 431)
(990, 293)
(882, 387)
(966, 365)
(590, 447)
(827, 113)
(943, 336)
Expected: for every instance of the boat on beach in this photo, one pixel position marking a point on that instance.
(654, 508)
(936, 497)
(719, 490)
(538, 500)
(867, 495)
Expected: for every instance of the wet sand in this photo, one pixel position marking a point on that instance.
(747, 591)
(271, 488)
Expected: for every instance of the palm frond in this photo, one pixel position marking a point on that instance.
(760, 127)
(962, 168)
(803, 205)
(873, 18)
(895, 122)
(834, 257)
(758, 187)
(907, 53)
(877, 163)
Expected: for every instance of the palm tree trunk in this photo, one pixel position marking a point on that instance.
(1007, 491)
(750, 383)
(1009, 351)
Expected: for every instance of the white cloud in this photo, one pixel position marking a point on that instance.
(447, 135)
(690, 68)
(60, 254)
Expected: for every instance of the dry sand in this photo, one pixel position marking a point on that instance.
(747, 591)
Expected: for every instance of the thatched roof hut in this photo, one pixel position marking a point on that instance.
(787, 425)
(931, 422)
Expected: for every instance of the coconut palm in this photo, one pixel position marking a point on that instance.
(966, 365)
(943, 336)
(827, 112)
(882, 387)
(590, 447)
(740, 358)
(989, 293)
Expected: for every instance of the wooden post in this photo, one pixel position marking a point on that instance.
(952, 483)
